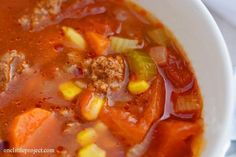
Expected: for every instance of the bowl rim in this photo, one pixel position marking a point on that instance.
(225, 136)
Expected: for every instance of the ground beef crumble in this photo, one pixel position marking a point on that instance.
(4, 76)
(49, 12)
(105, 72)
(11, 64)
(42, 14)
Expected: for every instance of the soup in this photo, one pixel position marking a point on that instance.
(94, 78)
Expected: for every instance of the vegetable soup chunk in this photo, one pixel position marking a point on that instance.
(127, 122)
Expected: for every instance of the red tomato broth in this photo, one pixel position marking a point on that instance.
(46, 52)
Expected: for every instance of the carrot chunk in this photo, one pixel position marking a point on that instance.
(26, 124)
(98, 43)
(90, 105)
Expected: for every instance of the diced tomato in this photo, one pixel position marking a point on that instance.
(172, 138)
(98, 42)
(25, 124)
(178, 71)
(130, 126)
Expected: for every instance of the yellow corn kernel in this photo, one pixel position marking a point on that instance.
(92, 150)
(69, 90)
(100, 127)
(138, 87)
(75, 38)
(93, 109)
(86, 137)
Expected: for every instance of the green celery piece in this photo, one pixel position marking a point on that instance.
(141, 64)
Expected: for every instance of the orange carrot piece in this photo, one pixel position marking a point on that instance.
(98, 43)
(89, 105)
(25, 124)
(83, 101)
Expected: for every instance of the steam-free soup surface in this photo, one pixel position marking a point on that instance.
(93, 78)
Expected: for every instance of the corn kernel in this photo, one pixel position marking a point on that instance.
(75, 38)
(86, 137)
(138, 87)
(92, 151)
(69, 90)
(93, 109)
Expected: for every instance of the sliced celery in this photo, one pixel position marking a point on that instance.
(187, 104)
(159, 36)
(141, 64)
(120, 45)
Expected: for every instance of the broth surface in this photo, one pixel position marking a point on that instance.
(37, 57)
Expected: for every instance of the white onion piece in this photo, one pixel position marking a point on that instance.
(159, 55)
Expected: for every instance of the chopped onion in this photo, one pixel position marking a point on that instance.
(121, 45)
(75, 37)
(159, 36)
(159, 55)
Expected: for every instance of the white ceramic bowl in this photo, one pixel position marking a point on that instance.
(199, 35)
